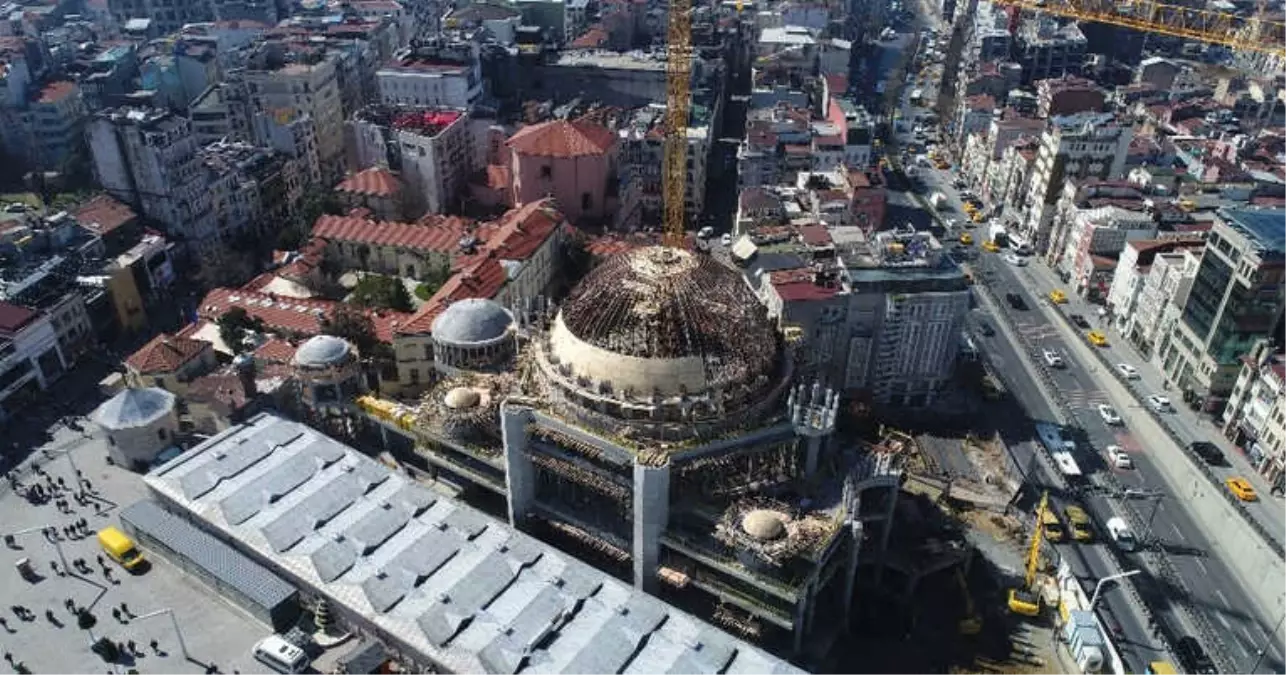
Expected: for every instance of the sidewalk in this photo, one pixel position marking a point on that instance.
(1187, 424)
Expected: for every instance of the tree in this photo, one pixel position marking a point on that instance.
(381, 292)
(357, 328)
(234, 324)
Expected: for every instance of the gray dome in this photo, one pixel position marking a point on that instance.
(134, 408)
(472, 321)
(461, 398)
(321, 351)
(764, 524)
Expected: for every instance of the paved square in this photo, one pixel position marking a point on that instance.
(215, 631)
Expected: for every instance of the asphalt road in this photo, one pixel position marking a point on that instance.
(1208, 581)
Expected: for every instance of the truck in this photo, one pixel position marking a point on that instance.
(938, 201)
(997, 234)
(121, 548)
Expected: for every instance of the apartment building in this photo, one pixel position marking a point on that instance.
(1073, 147)
(1236, 299)
(1132, 271)
(444, 76)
(1095, 239)
(1047, 47)
(30, 359)
(165, 16)
(1161, 298)
(430, 148)
(148, 159)
(51, 127)
(1255, 418)
(287, 86)
(641, 142)
(1068, 95)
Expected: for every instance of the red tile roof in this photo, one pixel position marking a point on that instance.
(14, 318)
(165, 353)
(593, 38)
(275, 350)
(375, 182)
(56, 91)
(402, 235)
(522, 231)
(796, 285)
(561, 138)
(104, 215)
(481, 277)
(289, 315)
(815, 235)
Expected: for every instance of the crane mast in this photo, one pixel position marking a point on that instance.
(678, 83)
(1257, 33)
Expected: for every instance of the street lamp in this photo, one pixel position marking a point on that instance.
(1098, 588)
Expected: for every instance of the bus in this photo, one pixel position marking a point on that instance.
(1062, 450)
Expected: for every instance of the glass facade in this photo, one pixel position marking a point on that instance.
(1208, 289)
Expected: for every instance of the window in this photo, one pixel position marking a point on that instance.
(160, 433)
(586, 201)
(546, 172)
(415, 376)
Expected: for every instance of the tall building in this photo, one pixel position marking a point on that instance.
(442, 76)
(1077, 146)
(31, 357)
(1255, 418)
(1164, 292)
(430, 148)
(148, 159)
(1046, 49)
(282, 85)
(1236, 300)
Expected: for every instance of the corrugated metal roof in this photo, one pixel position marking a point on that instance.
(218, 559)
(465, 591)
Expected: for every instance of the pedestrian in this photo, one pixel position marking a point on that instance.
(8, 657)
(53, 565)
(61, 483)
(116, 614)
(125, 610)
(132, 649)
(100, 560)
(89, 486)
(70, 605)
(156, 646)
(49, 614)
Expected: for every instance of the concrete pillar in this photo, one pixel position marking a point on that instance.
(850, 571)
(651, 515)
(520, 473)
(800, 618)
(814, 450)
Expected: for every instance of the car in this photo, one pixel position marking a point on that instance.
(1119, 457)
(966, 239)
(705, 232)
(986, 329)
(1015, 301)
(1096, 338)
(978, 217)
(1057, 297)
(1080, 321)
(1013, 259)
(1242, 489)
(1127, 371)
(1192, 657)
(1208, 452)
(1052, 359)
(1109, 415)
(1160, 403)
(990, 246)
(726, 239)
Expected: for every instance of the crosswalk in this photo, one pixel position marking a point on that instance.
(1037, 333)
(1083, 399)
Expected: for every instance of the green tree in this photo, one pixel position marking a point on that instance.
(356, 327)
(380, 292)
(234, 324)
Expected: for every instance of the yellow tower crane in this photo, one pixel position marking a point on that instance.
(678, 83)
(1257, 33)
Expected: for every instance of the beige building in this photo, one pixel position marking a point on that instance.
(375, 189)
(292, 90)
(169, 362)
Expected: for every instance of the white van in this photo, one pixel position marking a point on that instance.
(1121, 533)
(283, 657)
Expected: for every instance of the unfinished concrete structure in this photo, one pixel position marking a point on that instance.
(652, 425)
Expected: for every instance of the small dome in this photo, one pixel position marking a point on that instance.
(472, 321)
(322, 351)
(134, 408)
(764, 524)
(461, 398)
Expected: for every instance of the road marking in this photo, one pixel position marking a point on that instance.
(1202, 565)
(1249, 639)
(1223, 620)
(1223, 598)
(1178, 533)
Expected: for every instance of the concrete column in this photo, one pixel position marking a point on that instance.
(800, 619)
(813, 451)
(850, 571)
(520, 473)
(651, 515)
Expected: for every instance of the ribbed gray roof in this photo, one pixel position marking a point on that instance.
(216, 558)
(463, 591)
(471, 321)
(134, 408)
(321, 350)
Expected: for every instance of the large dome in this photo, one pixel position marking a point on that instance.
(321, 351)
(472, 321)
(665, 320)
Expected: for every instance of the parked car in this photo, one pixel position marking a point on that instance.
(1097, 338)
(1208, 452)
(1110, 417)
(1080, 321)
(1015, 301)
(1119, 457)
(1127, 371)
(1242, 489)
(1013, 259)
(986, 329)
(1192, 657)
(1160, 404)
(1057, 297)
(1052, 359)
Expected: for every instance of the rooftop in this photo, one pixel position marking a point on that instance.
(464, 591)
(374, 181)
(165, 353)
(104, 215)
(442, 239)
(1263, 227)
(560, 138)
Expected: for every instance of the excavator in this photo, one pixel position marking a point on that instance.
(1026, 600)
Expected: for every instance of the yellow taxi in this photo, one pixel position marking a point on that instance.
(942, 164)
(977, 217)
(1057, 297)
(1097, 338)
(969, 208)
(1242, 489)
(966, 238)
(990, 247)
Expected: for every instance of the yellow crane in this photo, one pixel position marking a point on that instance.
(678, 84)
(1026, 600)
(1256, 33)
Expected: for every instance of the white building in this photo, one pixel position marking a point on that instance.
(642, 156)
(139, 424)
(1101, 231)
(1255, 418)
(1133, 269)
(30, 358)
(287, 93)
(1075, 146)
(1164, 289)
(442, 81)
(148, 159)
(431, 148)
